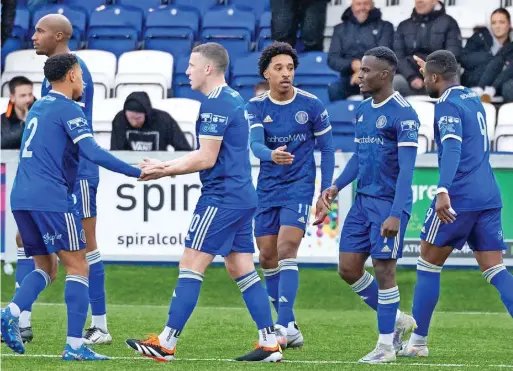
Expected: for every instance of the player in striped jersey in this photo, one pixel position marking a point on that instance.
(222, 223)
(468, 204)
(286, 124)
(386, 136)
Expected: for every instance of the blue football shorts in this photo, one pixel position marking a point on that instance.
(361, 232)
(268, 220)
(220, 231)
(47, 232)
(84, 197)
(481, 229)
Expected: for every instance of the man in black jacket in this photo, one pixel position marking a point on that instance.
(361, 29)
(13, 120)
(428, 29)
(140, 127)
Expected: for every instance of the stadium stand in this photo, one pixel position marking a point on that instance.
(147, 70)
(25, 63)
(108, 35)
(171, 29)
(102, 66)
(115, 28)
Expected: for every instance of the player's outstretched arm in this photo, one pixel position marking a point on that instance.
(201, 159)
(325, 142)
(93, 152)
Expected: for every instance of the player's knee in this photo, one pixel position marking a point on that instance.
(268, 258)
(349, 274)
(385, 273)
(287, 250)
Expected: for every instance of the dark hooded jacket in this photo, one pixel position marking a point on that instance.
(421, 35)
(482, 68)
(8, 17)
(159, 130)
(351, 39)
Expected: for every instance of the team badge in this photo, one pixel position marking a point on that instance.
(82, 236)
(382, 122)
(301, 117)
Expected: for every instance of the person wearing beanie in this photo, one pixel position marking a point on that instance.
(140, 127)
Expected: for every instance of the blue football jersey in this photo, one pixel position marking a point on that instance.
(86, 169)
(295, 123)
(380, 130)
(228, 183)
(49, 155)
(460, 115)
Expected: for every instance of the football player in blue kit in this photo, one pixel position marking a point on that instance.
(222, 223)
(286, 124)
(42, 203)
(51, 37)
(386, 148)
(468, 204)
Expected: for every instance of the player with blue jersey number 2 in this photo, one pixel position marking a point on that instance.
(468, 204)
(384, 161)
(41, 200)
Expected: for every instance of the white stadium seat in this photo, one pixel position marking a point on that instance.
(104, 112)
(102, 66)
(185, 112)
(504, 138)
(425, 139)
(467, 19)
(144, 70)
(24, 63)
(4, 102)
(103, 139)
(505, 115)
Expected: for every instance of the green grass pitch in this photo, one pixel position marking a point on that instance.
(470, 331)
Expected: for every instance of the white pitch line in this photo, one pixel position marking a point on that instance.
(317, 362)
(155, 306)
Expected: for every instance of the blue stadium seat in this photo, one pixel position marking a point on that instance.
(231, 27)
(257, 6)
(144, 5)
(341, 115)
(264, 33)
(172, 29)
(19, 33)
(314, 75)
(115, 29)
(77, 17)
(245, 75)
(202, 6)
(89, 6)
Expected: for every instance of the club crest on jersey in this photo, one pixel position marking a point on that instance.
(301, 117)
(77, 123)
(382, 122)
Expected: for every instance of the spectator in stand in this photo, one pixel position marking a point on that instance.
(287, 15)
(361, 29)
(488, 58)
(428, 29)
(140, 127)
(13, 120)
(261, 88)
